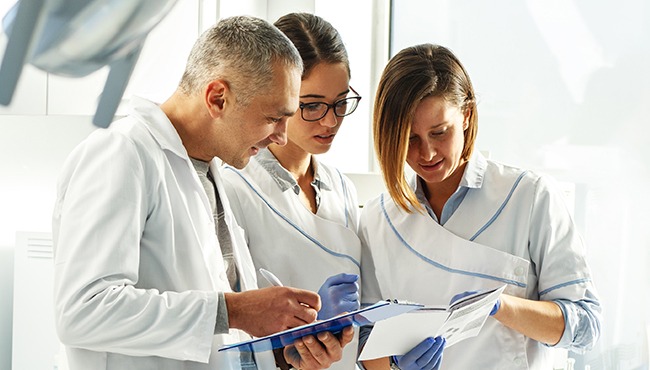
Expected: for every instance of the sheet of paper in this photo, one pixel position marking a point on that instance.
(399, 334)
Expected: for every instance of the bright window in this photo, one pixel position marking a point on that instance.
(563, 89)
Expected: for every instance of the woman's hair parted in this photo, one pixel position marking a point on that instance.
(413, 74)
(241, 50)
(316, 39)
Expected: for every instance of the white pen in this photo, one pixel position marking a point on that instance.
(272, 279)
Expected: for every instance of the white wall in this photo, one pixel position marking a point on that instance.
(33, 149)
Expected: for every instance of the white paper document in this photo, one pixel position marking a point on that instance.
(399, 334)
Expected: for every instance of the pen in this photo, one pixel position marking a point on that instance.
(272, 279)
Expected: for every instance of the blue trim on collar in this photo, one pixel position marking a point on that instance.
(498, 212)
(438, 265)
(285, 218)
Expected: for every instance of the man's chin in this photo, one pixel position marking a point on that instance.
(240, 163)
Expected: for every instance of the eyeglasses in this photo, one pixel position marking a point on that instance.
(315, 111)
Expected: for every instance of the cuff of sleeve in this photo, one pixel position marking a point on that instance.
(221, 326)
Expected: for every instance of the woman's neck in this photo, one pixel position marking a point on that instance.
(298, 163)
(293, 159)
(439, 193)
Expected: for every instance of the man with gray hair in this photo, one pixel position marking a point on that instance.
(151, 269)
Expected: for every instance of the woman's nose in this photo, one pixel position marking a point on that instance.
(428, 150)
(330, 119)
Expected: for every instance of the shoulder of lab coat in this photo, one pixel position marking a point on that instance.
(108, 191)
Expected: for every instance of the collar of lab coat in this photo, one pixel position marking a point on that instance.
(159, 125)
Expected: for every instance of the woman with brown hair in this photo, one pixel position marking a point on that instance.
(465, 223)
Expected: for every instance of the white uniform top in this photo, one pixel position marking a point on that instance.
(512, 227)
(137, 261)
(301, 248)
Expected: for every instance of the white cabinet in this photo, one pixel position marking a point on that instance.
(35, 344)
(156, 73)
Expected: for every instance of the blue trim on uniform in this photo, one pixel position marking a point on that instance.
(304, 233)
(498, 212)
(438, 265)
(572, 282)
(345, 196)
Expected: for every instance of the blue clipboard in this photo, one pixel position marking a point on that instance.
(364, 316)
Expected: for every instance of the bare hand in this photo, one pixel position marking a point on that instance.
(269, 310)
(309, 353)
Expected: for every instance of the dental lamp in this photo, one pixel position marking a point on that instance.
(74, 38)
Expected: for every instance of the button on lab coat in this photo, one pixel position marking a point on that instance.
(137, 262)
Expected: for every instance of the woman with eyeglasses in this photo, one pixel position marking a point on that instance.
(300, 216)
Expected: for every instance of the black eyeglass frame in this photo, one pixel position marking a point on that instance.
(331, 106)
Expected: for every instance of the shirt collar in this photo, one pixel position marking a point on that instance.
(474, 171)
(200, 166)
(283, 178)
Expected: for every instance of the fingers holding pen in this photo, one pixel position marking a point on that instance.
(269, 310)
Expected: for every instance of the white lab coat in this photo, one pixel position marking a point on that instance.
(301, 248)
(531, 245)
(137, 262)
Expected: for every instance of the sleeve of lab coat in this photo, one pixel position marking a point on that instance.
(101, 212)
(559, 257)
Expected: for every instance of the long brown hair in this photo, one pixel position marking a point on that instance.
(413, 74)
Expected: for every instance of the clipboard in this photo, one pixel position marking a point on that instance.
(367, 315)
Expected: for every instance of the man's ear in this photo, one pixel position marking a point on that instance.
(215, 97)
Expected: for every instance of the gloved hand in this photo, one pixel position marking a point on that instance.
(338, 294)
(425, 356)
(458, 296)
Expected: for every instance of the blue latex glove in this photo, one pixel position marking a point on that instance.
(425, 356)
(469, 292)
(338, 294)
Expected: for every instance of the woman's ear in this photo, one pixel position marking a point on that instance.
(466, 118)
(215, 97)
